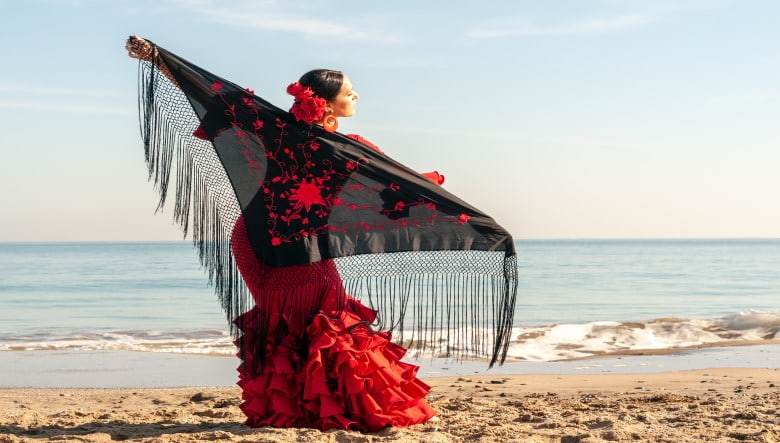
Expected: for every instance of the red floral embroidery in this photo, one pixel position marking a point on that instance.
(307, 194)
(216, 86)
(300, 190)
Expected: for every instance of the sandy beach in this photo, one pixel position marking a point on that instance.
(732, 404)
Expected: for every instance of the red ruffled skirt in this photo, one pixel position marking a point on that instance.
(331, 371)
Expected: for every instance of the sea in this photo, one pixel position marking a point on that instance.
(576, 298)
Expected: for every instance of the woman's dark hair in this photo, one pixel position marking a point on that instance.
(326, 83)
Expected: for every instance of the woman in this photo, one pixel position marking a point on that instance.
(310, 358)
(325, 367)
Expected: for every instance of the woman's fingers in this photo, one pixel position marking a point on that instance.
(137, 47)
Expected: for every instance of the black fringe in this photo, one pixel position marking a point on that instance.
(433, 310)
(165, 118)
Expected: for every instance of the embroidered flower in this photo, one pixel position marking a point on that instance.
(307, 194)
(276, 241)
(463, 218)
(216, 86)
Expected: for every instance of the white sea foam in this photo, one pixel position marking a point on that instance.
(542, 343)
(560, 342)
(187, 342)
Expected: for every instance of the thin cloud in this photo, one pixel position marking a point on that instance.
(267, 16)
(70, 108)
(29, 89)
(523, 27)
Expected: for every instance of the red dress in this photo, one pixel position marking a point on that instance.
(348, 377)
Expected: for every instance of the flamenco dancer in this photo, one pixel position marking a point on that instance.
(326, 254)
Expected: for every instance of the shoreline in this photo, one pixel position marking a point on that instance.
(724, 404)
(128, 369)
(596, 355)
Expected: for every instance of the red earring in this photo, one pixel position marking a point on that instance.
(330, 123)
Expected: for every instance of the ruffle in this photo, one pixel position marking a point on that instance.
(351, 377)
(363, 140)
(434, 177)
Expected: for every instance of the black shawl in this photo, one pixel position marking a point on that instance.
(437, 269)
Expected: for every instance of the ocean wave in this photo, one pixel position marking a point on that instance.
(539, 343)
(570, 341)
(213, 342)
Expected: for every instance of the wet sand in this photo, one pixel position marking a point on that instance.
(730, 404)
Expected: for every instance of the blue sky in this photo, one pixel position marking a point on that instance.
(562, 119)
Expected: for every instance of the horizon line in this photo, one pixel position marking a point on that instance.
(513, 238)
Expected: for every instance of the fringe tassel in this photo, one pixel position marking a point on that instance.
(201, 196)
(443, 315)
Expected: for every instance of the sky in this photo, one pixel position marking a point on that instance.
(561, 119)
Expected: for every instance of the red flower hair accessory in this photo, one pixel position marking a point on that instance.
(307, 107)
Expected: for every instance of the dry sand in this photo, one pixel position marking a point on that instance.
(702, 405)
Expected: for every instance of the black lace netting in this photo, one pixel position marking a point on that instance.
(441, 274)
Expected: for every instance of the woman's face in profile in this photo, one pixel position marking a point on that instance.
(344, 103)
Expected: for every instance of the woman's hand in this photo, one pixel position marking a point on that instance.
(139, 48)
(143, 50)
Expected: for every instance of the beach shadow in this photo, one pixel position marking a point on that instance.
(121, 430)
(209, 431)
